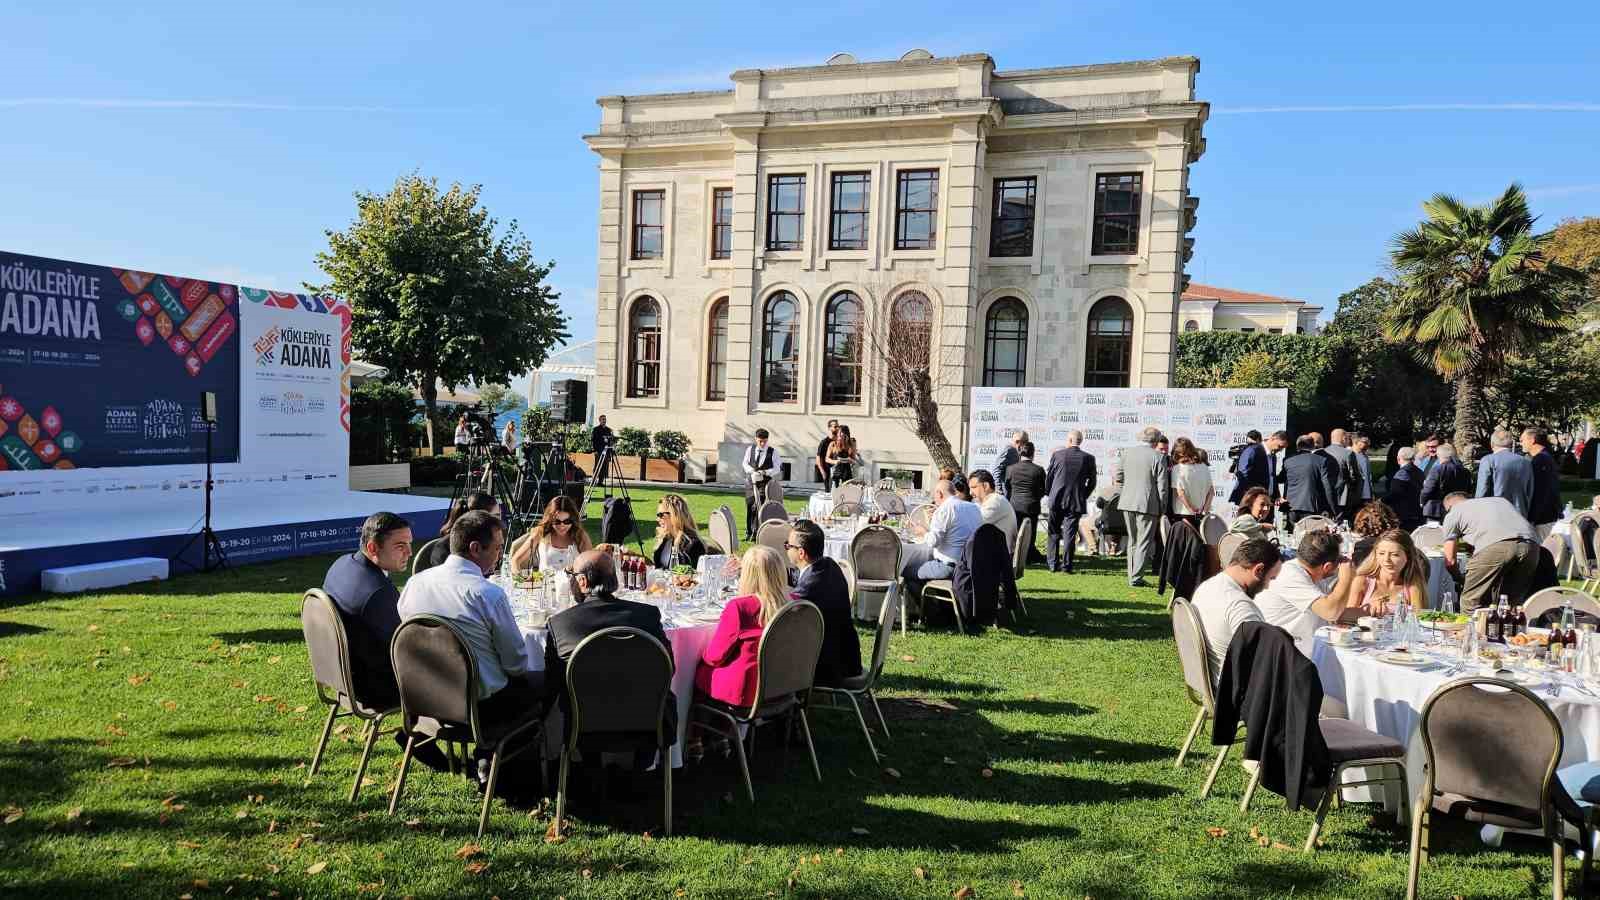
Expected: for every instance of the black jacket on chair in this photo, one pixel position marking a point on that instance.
(1275, 690)
(1183, 563)
(823, 585)
(982, 573)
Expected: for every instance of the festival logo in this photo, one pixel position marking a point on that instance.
(1126, 418)
(1213, 419)
(1094, 399)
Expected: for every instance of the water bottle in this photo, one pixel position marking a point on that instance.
(1567, 513)
(1447, 602)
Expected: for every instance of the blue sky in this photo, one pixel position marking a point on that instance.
(221, 140)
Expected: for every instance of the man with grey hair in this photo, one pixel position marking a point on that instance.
(1405, 489)
(1348, 485)
(1008, 457)
(1146, 491)
(1359, 443)
(1069, 483)
(934, 556)
(1446, 477)
(1505, 474)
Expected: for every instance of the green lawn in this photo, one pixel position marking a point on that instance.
(154, 744)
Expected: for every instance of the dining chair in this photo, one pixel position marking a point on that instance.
(889, 503)
(1313, 523)
(1490, 751)
(849, 492)
(786, 667)
(774, 533)
(1552, 599)
(920, 515)
(723, 530)
(417, 564)
(848, 508)
(773, 509)
(1212, 529)
(438, 679)
(619, 681)
(1428, 537)
(1583, 563)
(875, 558)
(1229, 545)
(858, 687)
(1019, 560)
(329, 648)
(1194, 656)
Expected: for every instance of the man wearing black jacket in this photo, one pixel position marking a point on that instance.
(1069, 482)
(1308, 482)
(1546, 506)
(1405, 489)
(821, 583)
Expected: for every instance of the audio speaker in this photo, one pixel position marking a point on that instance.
(569, 401)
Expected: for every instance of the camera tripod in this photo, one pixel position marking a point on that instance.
(608, 477)
(483, 472)
(543, 463)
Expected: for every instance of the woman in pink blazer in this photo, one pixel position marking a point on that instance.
(728, 666)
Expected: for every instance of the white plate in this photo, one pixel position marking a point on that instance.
(1403, 659)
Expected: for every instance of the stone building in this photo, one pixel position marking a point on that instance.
(761, 248)
(1207, 308)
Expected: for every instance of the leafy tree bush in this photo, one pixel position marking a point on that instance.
(380, 423)
(671, 444)
(633, 442)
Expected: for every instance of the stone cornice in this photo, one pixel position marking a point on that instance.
(1136, 65)
(865, 68)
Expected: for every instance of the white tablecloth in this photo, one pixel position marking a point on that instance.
(819, 507)
(1388, 699)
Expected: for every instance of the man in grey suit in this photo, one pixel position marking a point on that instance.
(1505, 474)
(1146, 492)
(1308, 481)
(1350, 479)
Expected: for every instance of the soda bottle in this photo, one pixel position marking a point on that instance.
(1505, 619)
(1569, 636)
(1493, 632)
(1519, 621)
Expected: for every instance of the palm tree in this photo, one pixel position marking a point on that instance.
(1475, 286)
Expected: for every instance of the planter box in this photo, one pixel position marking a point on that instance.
(632, 466)
(670, 470)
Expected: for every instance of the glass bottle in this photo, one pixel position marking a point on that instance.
(1493, 632)
(1569, 634)
(1519, 621)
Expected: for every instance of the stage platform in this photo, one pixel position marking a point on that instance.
(252, 528)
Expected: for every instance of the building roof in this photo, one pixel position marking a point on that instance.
(1198, 291)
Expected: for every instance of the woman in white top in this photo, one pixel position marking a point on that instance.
(554, 543)
(509, 436)
(463, 435)
(1191, 483)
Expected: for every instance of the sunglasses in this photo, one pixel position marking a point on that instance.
(789, 546)
(663, 514)
(566, 522)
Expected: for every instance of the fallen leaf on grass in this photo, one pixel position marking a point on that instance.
(413, 823)
(300, 709)
(891, 772)
(315, 868)
(74, 813)
(118, 762)
(137, 680)
(858, 830)
(1217, 832)
(274, 660)
(908, 658)
(12, 814)
(1016, 889)
(272, 826)
(477, 868)
(172, 804)
(838, 851)
(94, 627)
(467, 851)
(169, 705)
(203, 884)
(114, 730)
(242, 814)
(553, 835)
(963, 892)
(1278, 845)
(587, 874)
(189, 845)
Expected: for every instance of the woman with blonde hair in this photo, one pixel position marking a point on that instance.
(555, 542)
(728, 666)
(677, 542)
(1395, 570)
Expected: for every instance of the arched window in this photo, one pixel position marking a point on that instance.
(780, 349)
(1005, 344)
(644, 348)
(908, 343)
(1110, 347)
(1191, 325)
(717, 352)
(841, 350)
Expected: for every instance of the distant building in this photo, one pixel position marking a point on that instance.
(1207, 308)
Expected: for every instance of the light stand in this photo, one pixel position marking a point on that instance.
(209, 542)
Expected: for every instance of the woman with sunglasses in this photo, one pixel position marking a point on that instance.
(677, 542)
(555, 542)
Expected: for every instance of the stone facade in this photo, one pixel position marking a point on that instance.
(955, 116)
(1207, 308)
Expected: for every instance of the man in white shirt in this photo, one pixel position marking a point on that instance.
(761, 476)
(1306, 594)
(935, 555)
(456, 590)
(995, 509)
(1225, 601)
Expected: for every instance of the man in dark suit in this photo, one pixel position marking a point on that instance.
(1405, 489)
(594, 582)
(1350, 479)
(1446, 477)
(1068, 484)
(1008, 458)
(1308, 482)
(821, 582)
(1027, 490)
(360, 586)
(1545, 508)
(1250, 469)
(600, 438)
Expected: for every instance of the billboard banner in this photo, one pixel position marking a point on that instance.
(1111, 419)
(103, 368)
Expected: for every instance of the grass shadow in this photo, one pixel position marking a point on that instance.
(13, 629)
(263, 636)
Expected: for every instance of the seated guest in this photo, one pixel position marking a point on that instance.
(1372, 520)
(995, 509)
(1311, 590)
(459, 591)
(677, 543)
(555, 542)
(1226, 600)
(1394, 571)
(958, 484)
(822, 583)
(1594, 505)
(360, 587)
(474, 501)
(935, 555)
(593, 579)
(728, 666)
(1255, 514)
(1505, 552)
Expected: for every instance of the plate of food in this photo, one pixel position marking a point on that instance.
(1443, 621)
(1402, 657)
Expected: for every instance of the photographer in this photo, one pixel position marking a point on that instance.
(600, 437)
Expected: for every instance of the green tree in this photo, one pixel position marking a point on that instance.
(437, 293)
(1551, 386)
(1385, 392)
(1475, 288)
(1576, 243)
(500, 398)
(380, 423)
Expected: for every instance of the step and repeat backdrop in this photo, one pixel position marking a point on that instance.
(101, 375)
(1111, 419)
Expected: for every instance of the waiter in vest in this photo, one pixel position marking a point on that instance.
(761, 477)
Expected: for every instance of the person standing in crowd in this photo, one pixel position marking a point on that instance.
(553, 544)
(1027, 484)
(1255, 514)
(474, 501)
(1146, 495)
(600, 437)
(1359, 444)
(1308, 482)
(935, 555)
(1405, 489)
(508, 435)
(1335, 473)
(825, 471)
(1544, 508)
(1446, 477)
(1192, 491)
(1008, 458)
(821, 583)
(1429, 455)
(1069, 483)
(677, 541)
(463, 438)
(842, 456)
(1349, 498)
(1312, 590)
(459, 591)
(1255, 467)
(1164, 447)
(996, 511)
(1505, 550)
(1226, 600)
(1505, 474)
(761, 477)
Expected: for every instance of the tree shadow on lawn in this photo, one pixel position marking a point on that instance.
(13, 629)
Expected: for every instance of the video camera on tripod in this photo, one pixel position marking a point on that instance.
(480, 424)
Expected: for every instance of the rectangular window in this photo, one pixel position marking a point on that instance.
(916, 209)
(848, 226)
(1011, 223)
(647, 218)
(721, 223)
(1116, 212)
(1274, 331)
(717, 353)
(1247, 330)
(786, 212)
